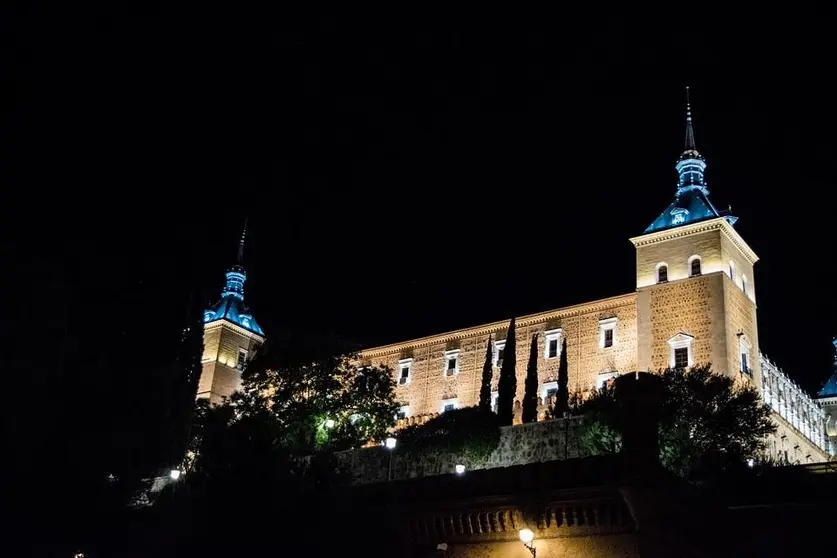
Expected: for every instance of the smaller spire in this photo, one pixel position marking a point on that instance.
(690, 133)
(241, 243)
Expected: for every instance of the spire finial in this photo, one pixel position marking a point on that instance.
(241, 243)
(690, 133)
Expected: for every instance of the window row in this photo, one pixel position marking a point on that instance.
(552, 350)
(693, 263)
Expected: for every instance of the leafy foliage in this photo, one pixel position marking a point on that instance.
(708, 423)
(301, 396)
(507, 386)
(469, 431)
(487, 373)
(530, 396)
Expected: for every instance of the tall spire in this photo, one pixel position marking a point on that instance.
(690, 133)
(240, 258)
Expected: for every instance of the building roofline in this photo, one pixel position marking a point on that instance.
(523, 321)
(716, 223)
(235, 327)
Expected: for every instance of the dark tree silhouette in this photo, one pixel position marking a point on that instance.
(707, 424)
(562, 398)
(507, 386)
(487, 372)
(530, 397)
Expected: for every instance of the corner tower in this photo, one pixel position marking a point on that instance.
(230, 337)
(696, 300)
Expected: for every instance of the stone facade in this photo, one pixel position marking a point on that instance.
(428, 385)
(223, 341)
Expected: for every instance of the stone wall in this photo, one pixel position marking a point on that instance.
(521, 444)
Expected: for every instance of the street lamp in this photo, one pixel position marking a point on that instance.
(460, 469)
(389, 443)
(329, 423)
(174, 474)
(526, 537)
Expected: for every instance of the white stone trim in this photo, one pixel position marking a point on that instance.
(552, 335)
(680, 341)
(445, 402)
(498, 346)
(451, 355)
(603, 377)
(605, 325)
(545, 387)
(408, 364)
(404, 409)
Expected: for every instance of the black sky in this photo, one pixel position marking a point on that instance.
(401, 177)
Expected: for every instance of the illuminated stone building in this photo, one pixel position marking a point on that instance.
(694, 303)
(231, 336)
(827, 400)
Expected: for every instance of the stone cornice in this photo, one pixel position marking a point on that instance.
(235, 327)
(718, 223)
(524, 321)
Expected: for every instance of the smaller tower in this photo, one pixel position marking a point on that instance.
(696, 292)
(231, 335)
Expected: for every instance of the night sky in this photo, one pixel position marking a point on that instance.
(400, 179)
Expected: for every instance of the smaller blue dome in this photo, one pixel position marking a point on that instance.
(231, 307)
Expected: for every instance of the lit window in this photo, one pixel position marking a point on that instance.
(499, 351)
(694, 267)
(452, 362)
(448, 405)
(681, 357)
(744, 351)
(681, 351)
(548, 389)
(241, 364)
(405, 370)
(552, 347)
(403, 412)
(607, 333)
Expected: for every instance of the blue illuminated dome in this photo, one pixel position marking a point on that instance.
(830, 387)
(691, 202)
(231, 307)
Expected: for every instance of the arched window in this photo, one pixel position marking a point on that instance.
(694, 266)
(732, 271)
(744, 283)
(662, 273)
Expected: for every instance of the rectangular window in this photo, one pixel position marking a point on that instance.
(452, 363)
(500, 354)
(403, 412)
(744, 367)
(553, 349)
(405, 375)
(449, 407)
(681, 357)
(608, 338)
(405, 368)
(241, 364)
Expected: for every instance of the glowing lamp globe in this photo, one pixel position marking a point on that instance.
(329, 423)
(460, 469)
(390, 443)
(527, 536)
(174, 474)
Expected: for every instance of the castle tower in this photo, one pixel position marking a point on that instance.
(827, 399)
(696, 301)
(231, 336)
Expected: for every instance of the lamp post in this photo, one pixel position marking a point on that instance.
(526, 537)
(389, 443)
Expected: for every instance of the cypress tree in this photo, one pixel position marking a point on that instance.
(487, 372)
(530, 397)
(507, 386)
(562, 403)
